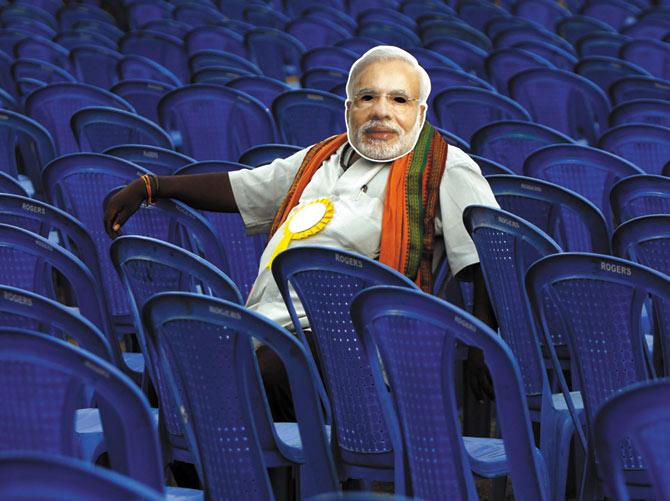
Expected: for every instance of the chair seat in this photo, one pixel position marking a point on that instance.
(183, 493)
(134, 361)
(289, 442)
(487, 456)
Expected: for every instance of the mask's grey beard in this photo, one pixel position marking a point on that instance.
(379, 150)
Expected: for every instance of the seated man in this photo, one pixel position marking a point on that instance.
(388, 188)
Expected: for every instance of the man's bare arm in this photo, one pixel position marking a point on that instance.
(210, 191)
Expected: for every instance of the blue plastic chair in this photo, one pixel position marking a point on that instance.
(243, 252)
(358, 44)
(200, 116)
(616, 13)
(204, 346)
(453, 139)
(332, 13)
(637, 415)
(30, 27)
(34, 142)
(42, 71)
(386, 15)
(12, 13)
(604, 70)
(415, 335)
(514, 35)
(645, 145)
(463, 110)
(135, 67)
(478, 14)
(165, 50)
(305, 117)
(569, 103)
(509, 142)
(587, 171)
(147, 266)
(597, 302)
(98, 128)
(323, 78)
(316, 31)
(434, 30)
(507, 245)
(112, 32)
(574, 27)
(74, 38)
(390, 34)
(503, 64)
(95, 65)
(178, 29)
(332, 57)
(639, 87)
(54, 105)
(6, 78)
(265, 15)
(144, 95)
(640, 195)
(266, 153)
(33, 475)
(647, 28)
(275, 52)
(543, 12)
(650, 111)
(501, 21)
(431, 59)
(42, 382)
(42, 49)
(71, 13)
(355, 7)
(558, 56)
(10, 185)
(652, 55)
(23, 309)
(468, 56)
(570, 219)
(215, 37)
(445, 78)
(197, 13)
(601, 43)
(141, 12)
(219, 75)
(160, 161)
(263, 88)
(645, 240)
(212, 58)
(419, 8)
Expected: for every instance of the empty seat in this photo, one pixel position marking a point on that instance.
(645, 145)
(604, 71)
(144, 95)
(639, 87)
(651, 111)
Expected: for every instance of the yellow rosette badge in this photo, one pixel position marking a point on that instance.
(307, 219)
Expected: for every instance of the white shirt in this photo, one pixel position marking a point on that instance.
(357, 194)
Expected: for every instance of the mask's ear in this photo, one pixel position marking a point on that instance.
(422, 112)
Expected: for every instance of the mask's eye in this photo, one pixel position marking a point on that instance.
(400, 100)
(366, 98)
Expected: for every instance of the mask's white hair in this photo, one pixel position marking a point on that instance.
(388, 53)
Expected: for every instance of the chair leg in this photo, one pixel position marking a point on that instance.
(555, 435)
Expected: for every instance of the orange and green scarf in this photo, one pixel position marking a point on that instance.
(412, 195)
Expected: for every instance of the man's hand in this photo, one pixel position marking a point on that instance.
(123, 205)
(478, 376)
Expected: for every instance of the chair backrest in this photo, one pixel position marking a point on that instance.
(71, 39)
(11, 185)
(390, 34)
(415, 335)
(569, 103)
(157, 160)
(42, 378)
(331, 56)
(513, 35)
(574, 27)
(220, 75)
(32, 474)
(543, 12)
(42, 49)
(605, 70)
(639, 87)
(509, 142)
(505, 63)
(98, 128)
(212, 58)
(638, 413)
(652, 55)
(491, 167)
(147, 266)
(463, 110)
(275, 52)
(263, 88)
(266, 153)
(42, 71)
(54, 105)
(640, 195)
(33, 141)
(204, 345)
(136, 67)
(558, 56)
(305, 117)
(323, 78)
(645, 240)
(507, 245)
(317, 31)
(601, 43)
(95, 65)
(26, 310)
(570, 219)
(616, 13)
(645, 145)
(651, 111)
(434, 30)
(243, 252)
(585, 170)
(215, 37)
(468, 56)
(166, 50)
(325, 281)
(202, 114)
(144, 95)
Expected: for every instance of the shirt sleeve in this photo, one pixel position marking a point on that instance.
(259, 192)
(462, 185)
